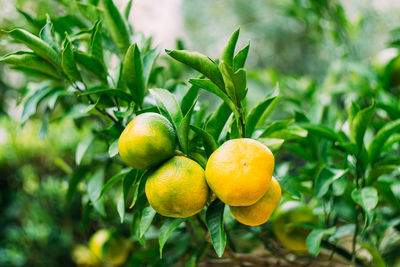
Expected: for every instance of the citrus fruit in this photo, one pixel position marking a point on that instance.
(261, 211)
(108, 247)
(147, 140)
(290, 235)
(178, 188)
(83, 257)
(239, 172)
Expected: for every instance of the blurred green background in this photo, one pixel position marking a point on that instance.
(307, 46)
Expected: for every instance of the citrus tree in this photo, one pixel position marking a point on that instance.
(156, 164)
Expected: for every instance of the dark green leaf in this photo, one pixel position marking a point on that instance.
(325, 178)
(210, 145)
(132, 74)
(359, 124)
(166, 230)
(217, 121)
(381, 137)
(96, 42)
(91, 64)
(100, 90)
(201, 63)
(31, 61)
(215, 224)
(127, 10)
(314, 239)
(112, 181)
(229, 49)
(183, 130)
(189, 98)
(321, 130)
(68, 61)
(39, 46)
(116, 25)
(256, 114)
(235, 82)
(240, 59)
(44, 128)
(148, 62)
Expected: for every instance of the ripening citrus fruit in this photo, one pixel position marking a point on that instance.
(83, 257)
(178, 188)
(292, 236)
(109, 248)
(260, 212)
(148, 140)
(239, 172)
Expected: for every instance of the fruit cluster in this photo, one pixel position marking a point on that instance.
(239, 172)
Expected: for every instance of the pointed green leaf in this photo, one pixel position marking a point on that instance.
(276, 126)
(91, 64)
(380, 138)
(166, 230)
(94, 186)
(148, 62)
(240, 59)
(314, 239)
(82, 148)
(210, 145)
(189, 98)
(217, 121)
(183, 130)
(31, 61)
(169, 104)
(47, 34)
(359, 124)
(325, 178)
(201, 63)
(68, 61)
(96, 42)
(112, 181)
(256, 114)
(321, 130)
(101, 90)
(32, 102)
(39, 46)
(215, 224)
(132, 74)
(146, 219)
(127, 10)
(235, 82)
(229, 49)
(116, 25)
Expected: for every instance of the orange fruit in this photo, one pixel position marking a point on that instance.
(147, 140)
(178, 188)
(261, 211)
(290, 235)
(239, 172)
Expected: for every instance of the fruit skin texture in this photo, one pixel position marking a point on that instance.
(261, 211)
(291, 236)
(239, 172)
(108, 248)
(178, 188)
(147, 140)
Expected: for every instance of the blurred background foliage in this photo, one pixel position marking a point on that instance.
(319, 52)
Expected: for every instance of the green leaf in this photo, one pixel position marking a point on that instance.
(113, 148)
(189, 98)
(148, 62)
(215, 224)
(366, 197)
(235, 82)
(89, 11)
(256, 114)
(240, 59)
(132, 74)
(94, 186)
(274, 144)
(129, 181)
(112, 181)
(209, 86)
(201, 63)
(325, 178)
(169, 104)
(140, 182)
(359, 124)
(166, 230)
(82, 148)
(39, 46)
(101, 90)
(229, 49)
(127, 10)
(91, 64)
(47, 34)
(32, 102)
(380, 138)
(146, 219)
(121, 206)
(116, 25)
(96, 42)
(210, 145)
(276, 126)
(215, 124)
(314, 239)
(183, 130)
(321, 130)
(31, 61)
(44, 128)
(68, 61)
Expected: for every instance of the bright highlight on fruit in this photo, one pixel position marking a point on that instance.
(178, 188)
(148, 140)
(261, 211)
(239, 172)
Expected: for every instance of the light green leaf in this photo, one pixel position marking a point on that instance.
(325, 178)
(116, 25)
(229, 49)
(256, 114)
(276, 126)
(169, 104)
(235, 82)
(274, 144)
(112, 181)
(94, 186)
(166, 230)
(183, 130)
(201, 63)
(359, 124)
(148, 62)
(215, 224)
(68, 61)
(366, 197)
(146, 219)
(380, 138)
(101, 90)
(32, 102)
(96, 42)
(321, 130)
(189, 98)
(113, 148)
(82, 148)
(314, 239)
(47, 33)
(240, 59)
